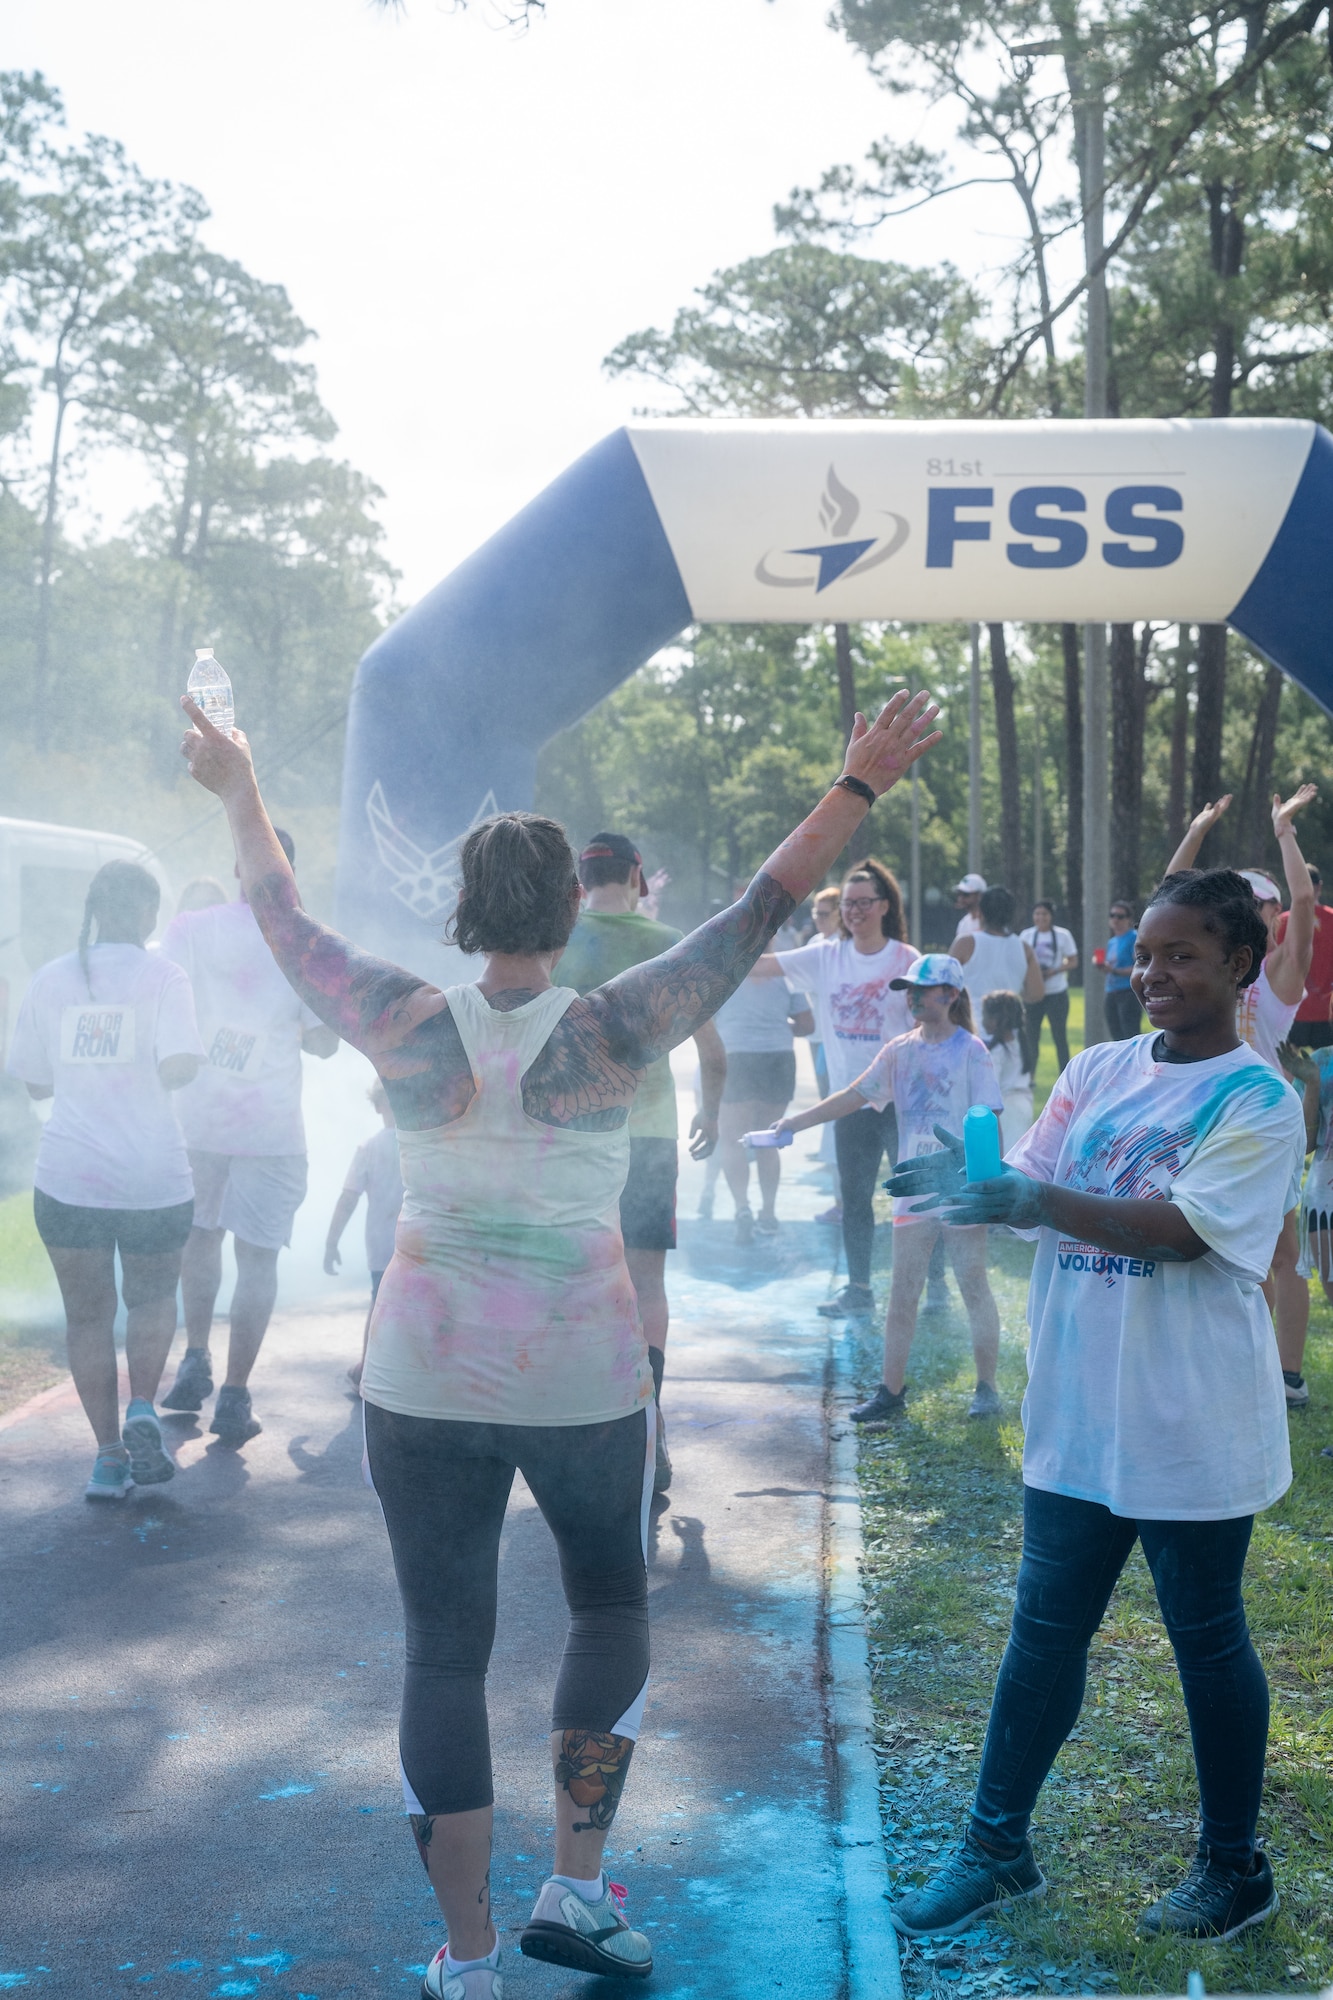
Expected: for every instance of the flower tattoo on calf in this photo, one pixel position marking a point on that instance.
(592, 1767)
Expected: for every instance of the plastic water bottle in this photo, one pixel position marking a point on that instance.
(981, 1144)
(209, 688)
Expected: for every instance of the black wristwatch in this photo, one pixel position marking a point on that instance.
(857, 785)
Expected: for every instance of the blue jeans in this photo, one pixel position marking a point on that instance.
(1073, 1553)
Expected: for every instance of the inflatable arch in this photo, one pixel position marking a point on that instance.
(663, 524)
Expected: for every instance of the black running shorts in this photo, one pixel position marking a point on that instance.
(648, 1204)
(137, 1232)
(760, 1077)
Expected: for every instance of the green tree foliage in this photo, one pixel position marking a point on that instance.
(812, 332)
(125, 334)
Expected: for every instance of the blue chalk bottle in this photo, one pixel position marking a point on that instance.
(981, 1144)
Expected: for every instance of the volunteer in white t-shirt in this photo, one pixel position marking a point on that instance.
(109, 1033)
(1264, 1016)
(242, 1123)
(934, 1075)
(1154, 1181)
(850, 984)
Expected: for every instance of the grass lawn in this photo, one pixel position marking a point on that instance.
(32, 1342)
(1116, 1823)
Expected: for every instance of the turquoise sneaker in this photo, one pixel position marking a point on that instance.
(150, 1461)
(111, 1478)
(564, 1929)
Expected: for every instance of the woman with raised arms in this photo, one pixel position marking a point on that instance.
(1155, 1182)
(506, 1335)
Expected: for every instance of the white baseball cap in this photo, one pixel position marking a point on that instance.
(1264, 887)
(937, 968)
(971, 885)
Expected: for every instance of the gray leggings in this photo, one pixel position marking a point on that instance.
(444, 1487)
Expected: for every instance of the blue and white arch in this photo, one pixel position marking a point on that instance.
(663, 524)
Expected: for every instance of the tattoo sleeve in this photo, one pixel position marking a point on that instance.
(398, 1020)
(646, 1011)
(591, 1767)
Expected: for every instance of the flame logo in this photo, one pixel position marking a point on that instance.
(839, 511)
(838, 506)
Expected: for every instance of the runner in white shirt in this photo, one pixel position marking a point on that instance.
(1265, 1012)
(109, 1032)
(967, 896)
(1002, 1032)
(850, 984)
(1056, 954)
(243, 1126)
(376, 1173)
(1154, 1181)
(933, 1074)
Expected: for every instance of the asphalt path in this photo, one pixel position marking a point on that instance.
(198, 1772)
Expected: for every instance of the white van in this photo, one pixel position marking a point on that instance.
(44, 876)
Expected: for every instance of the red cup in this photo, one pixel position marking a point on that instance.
(1099, 957)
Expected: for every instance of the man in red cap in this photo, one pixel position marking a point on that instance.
(610, 936)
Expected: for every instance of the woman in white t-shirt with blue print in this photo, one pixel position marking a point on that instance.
(1155, 1182)
(109, 1032)
(852, 986)
(932, 1075)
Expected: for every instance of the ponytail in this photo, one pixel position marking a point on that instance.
(120, 894)
(960, 1011)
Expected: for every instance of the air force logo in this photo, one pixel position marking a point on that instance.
(823, 563)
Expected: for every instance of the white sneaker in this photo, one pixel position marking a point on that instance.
(564, 1929)
(481, 1982)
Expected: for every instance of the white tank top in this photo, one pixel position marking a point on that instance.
(1263, 1020)
(997, 964)
(507, 1300)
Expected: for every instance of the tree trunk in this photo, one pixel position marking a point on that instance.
(1180, 737)
(1006, 737)
(1073, 781)
(1253, 818)
(1127, 712)
(859, 845)
(1210, 697)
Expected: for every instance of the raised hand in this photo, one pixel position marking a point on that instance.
(219, 763)
(879, 752)
(1203, 822)
(1284, 811)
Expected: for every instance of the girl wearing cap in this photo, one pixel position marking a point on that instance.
(932, 1075)
(1265, 1011)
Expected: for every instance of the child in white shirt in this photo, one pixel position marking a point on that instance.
(1002, 1032)
(374, 1173)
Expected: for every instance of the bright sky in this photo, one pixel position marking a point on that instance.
(470, 218)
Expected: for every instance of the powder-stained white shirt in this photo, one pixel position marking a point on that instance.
(1154, 1387)
(247, 1097)
(854, 1003)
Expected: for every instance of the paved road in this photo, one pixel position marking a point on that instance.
(197, 1762)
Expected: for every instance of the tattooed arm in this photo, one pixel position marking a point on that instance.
(649, 1009)
(399, 1021)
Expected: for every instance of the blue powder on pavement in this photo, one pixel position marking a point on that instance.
(287, 1792)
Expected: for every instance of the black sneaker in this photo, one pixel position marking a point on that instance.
(881, 1407)
(1298, 1394)
(234, 1423)
(1214, 1900)
(194, 1381)
(852, 1302)
(967, 1886)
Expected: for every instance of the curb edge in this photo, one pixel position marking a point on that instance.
(873, 1969)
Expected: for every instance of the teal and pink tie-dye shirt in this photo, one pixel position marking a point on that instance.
(1154, 1387)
